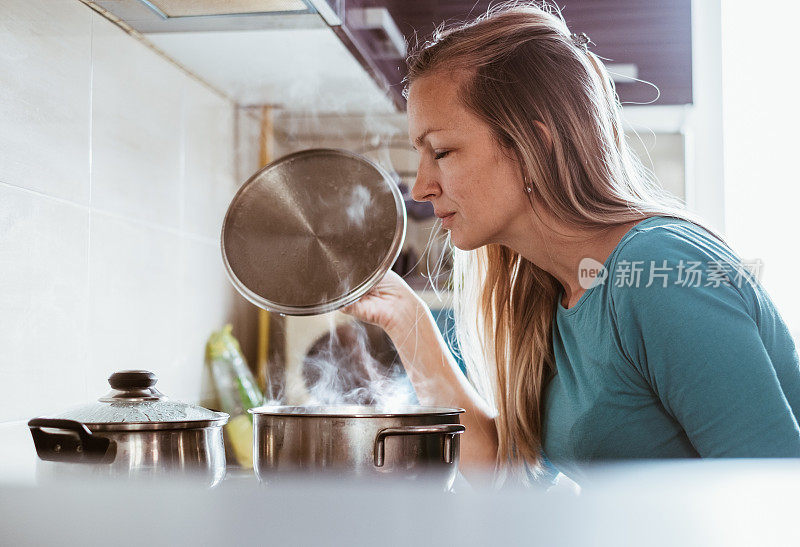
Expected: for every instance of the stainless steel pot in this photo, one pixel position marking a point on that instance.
(361, 441)
(134, 431)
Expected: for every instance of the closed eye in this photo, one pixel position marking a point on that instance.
(440, 155)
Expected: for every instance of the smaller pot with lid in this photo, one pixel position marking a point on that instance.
(134, 431)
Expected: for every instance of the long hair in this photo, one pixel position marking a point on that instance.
(523, 67)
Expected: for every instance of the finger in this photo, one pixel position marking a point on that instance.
(356, 308)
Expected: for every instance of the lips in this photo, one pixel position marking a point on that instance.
(446, 218)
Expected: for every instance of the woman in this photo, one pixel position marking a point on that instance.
(669, 350)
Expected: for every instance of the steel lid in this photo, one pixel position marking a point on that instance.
(135, 403)
(313, 231)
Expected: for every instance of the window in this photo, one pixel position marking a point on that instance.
(761, 121)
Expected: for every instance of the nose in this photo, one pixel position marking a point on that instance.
(425, 186)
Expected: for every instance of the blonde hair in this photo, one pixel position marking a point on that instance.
(524, 67)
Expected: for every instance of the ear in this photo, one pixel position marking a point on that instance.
(548, 138)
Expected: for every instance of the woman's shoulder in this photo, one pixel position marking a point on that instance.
(670, 262)
(672, 239)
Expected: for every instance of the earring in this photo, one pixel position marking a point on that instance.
(528, 188)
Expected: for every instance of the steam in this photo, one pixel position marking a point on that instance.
(351, 364)
(340, 369)
(357, 207)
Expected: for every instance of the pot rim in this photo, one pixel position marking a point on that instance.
(149, 426)
(355, 411)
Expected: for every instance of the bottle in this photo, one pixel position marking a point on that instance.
(236, 389)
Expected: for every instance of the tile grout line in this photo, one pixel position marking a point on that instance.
(88, 317)
(110, 214)
(182, 156)
(182, 297)
(38, 193)
(155, 226)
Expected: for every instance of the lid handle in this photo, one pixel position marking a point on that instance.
(127, 380)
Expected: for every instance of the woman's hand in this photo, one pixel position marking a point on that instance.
(390, 304)
(430, 366)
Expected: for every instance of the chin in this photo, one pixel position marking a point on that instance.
(464, 244)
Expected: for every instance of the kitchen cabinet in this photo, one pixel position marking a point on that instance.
(353, 52)
(643, 39)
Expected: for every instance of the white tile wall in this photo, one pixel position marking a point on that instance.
(208, 301)
(115, 171)
(43, 302)
(45, 81)
(209, 130)
(136, 128)
(135, 301)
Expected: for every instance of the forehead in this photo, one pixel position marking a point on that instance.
(436, 87)
(433, 101)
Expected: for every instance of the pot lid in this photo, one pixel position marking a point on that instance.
(313, 231)
(135, 403)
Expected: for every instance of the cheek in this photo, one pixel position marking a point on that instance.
(486, 189)
(476, 180)
(500, 187)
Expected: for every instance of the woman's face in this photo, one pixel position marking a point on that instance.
(474, 185)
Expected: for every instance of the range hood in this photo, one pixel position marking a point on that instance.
(285, 53)
(181, 8)
(156, 16)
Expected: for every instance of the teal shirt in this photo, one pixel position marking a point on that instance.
(695, 365)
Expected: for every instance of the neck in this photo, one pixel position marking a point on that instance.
(559, 249)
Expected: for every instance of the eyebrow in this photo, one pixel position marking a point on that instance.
(419, 140)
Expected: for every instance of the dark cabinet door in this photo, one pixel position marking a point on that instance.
(652, 35)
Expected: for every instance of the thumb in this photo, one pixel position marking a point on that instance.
(351, 309)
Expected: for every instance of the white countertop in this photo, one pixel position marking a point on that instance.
(722, 502)
(17, 454)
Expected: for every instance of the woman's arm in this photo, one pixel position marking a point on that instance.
(699, 348)
(431, 367)
(438, 381)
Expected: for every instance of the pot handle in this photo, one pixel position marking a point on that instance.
(75, 444)
(448, 430)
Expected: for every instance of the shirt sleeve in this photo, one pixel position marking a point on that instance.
(698, 347)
